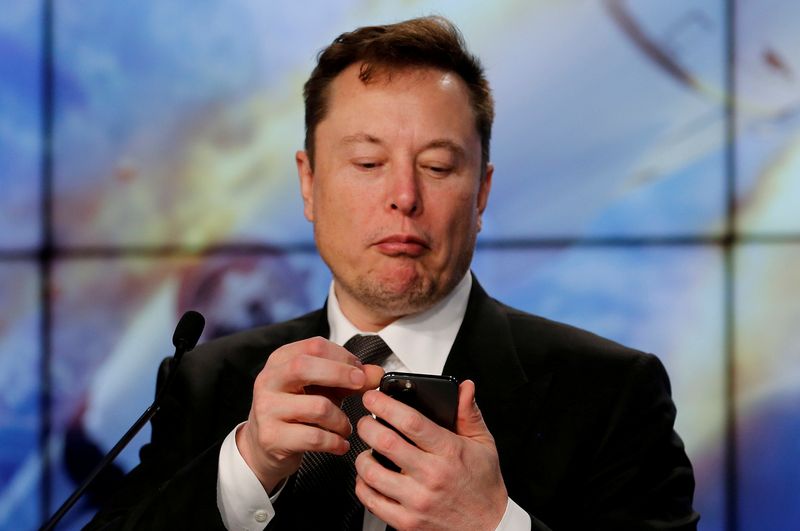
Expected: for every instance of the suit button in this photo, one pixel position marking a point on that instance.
(261, 516)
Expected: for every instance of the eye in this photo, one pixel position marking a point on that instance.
(367, 165)
(438, 169)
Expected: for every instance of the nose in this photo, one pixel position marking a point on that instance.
(404, 192)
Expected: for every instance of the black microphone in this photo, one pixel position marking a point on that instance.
(186, 335)
(188, 331)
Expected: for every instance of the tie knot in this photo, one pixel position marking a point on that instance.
(369, 349)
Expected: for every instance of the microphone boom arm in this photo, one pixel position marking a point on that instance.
(187, 332)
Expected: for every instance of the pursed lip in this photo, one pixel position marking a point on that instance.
(402, 244)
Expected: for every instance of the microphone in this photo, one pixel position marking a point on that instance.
(186, 335)
(188, 331)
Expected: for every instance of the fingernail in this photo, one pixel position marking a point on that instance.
(357, 377)
(368, 398)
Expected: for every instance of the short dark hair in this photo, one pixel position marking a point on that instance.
(420, 42)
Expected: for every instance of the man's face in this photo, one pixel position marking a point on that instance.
(396, 193)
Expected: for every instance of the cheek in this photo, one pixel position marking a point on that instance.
(465, 208)
(460, 222)
(330, 203)
(342, 213)
(344, 194)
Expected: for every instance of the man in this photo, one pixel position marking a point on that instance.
(556, 429)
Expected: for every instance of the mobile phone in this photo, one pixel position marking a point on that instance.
(434, 396)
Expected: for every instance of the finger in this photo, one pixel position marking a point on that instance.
(279, 441)
(380, 478)
(315, 346)
(297, 438)
(425, 433)
(392, 445)
(469, 421)
(373, 375)
(313, 410)
(304, 370)
(381, 506)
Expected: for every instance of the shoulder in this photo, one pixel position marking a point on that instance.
(246, 351)
(582, 356)
(262, 338)
(212, 388)
(568, 342)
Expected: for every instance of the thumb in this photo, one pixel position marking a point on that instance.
(470, 420)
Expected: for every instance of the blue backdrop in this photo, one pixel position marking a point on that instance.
(647, 185)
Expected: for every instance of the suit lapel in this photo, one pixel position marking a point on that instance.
(484, 350)
(510, 398)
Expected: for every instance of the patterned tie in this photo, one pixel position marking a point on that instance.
(328, 481)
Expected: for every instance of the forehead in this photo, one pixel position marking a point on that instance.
(382, 77)
(418, 96)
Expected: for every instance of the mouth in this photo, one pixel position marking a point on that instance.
(402, 245)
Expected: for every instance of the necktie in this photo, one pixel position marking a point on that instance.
(326, 481)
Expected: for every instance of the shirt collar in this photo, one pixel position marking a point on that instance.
(421, 341)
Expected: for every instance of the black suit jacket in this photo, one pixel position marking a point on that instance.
(583, 426)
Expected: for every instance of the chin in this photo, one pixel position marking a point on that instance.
(404, 292)
(397, 294)
(405, 304)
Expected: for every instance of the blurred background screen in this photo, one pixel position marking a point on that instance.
(647, 188)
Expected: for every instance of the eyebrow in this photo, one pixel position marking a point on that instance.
(442, 143)
(359, 138)
(449, 145)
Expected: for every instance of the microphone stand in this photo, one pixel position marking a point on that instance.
(183, 345)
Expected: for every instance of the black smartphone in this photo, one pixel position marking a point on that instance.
(434, 396)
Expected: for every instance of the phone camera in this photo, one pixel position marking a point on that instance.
(402, 386)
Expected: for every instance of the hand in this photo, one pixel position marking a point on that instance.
(448, 481)
(296, 407)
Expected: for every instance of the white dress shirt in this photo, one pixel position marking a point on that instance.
(420, 343)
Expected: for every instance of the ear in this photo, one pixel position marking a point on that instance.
(306, 175)
(483, 193)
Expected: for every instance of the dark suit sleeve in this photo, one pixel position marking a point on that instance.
(600, 453)
(639, 477)
(583, 425)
